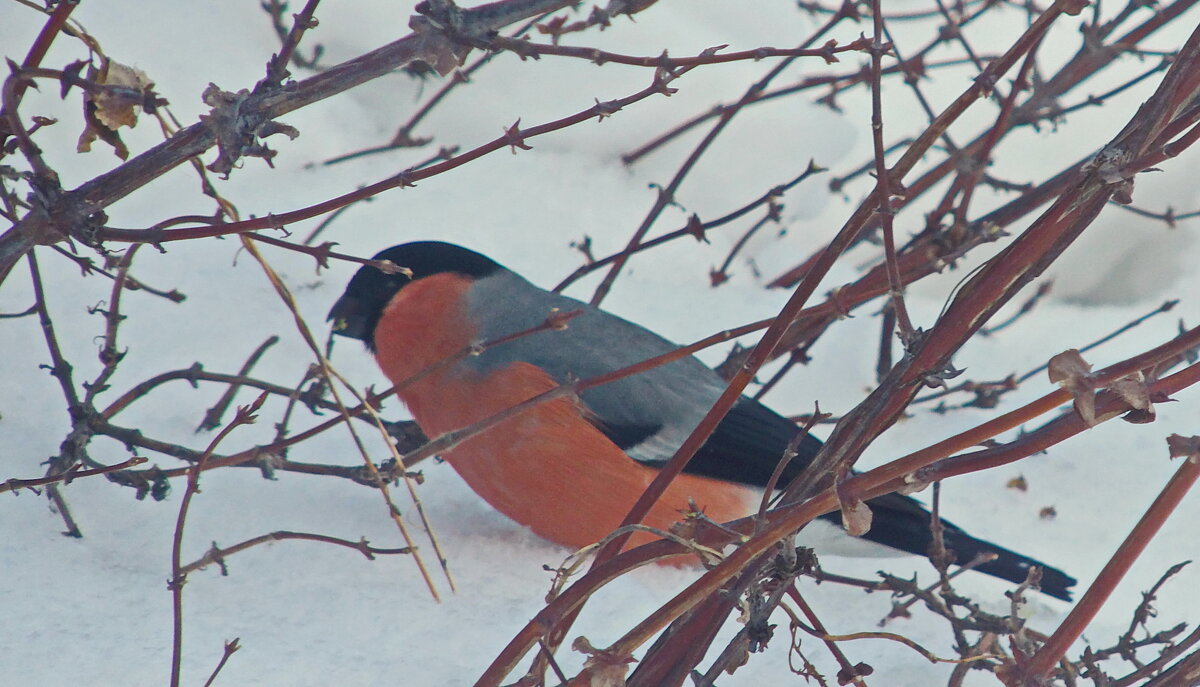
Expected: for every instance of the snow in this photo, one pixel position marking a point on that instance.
(96, 610)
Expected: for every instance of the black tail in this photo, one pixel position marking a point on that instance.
(1008, 565)
(746, 448)
(902, 523)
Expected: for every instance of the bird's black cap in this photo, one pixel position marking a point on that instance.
(358, 310)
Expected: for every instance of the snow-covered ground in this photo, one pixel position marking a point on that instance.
(96, 610)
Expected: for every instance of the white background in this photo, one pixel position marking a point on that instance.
(96, 610)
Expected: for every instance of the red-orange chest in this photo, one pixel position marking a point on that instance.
(548, 468)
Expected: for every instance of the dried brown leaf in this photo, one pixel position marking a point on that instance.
(1133, 390)
(1184, 447)
(856, 517)
(435, 48)
(602, 668)
(107, 110)
(854, 673)
(119, 108)
(1019, 483)
(1071, 372)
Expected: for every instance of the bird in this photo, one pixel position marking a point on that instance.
(571, 468)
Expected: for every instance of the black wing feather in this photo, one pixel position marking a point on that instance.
(624, 436)
(749, 443)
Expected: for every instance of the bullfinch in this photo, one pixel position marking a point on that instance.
(570, 469)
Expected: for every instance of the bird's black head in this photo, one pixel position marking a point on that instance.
(358, 310)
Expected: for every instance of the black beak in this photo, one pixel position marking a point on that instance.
(349, 319)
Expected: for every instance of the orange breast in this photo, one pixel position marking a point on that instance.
(548, 468)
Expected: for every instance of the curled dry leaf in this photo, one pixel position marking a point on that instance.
(109, 109)
(602, 668)
(1184, 447)
(854, 673)
(434, 47)
(1133, 390)
(237, 132)
(1071, 372)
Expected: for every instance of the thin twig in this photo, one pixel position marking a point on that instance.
(212, 417)
(217, 555)
(245, 415)
(1108, 579)
(514, 138)
(330, 375)
(230, 647)
(75, 472)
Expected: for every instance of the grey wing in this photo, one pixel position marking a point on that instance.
(648, 414)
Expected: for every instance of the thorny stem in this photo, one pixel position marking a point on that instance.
(73, 446)
(1165, 307)
(403, 137)
(321, 253)
(329, 374)
(218, 555)
(109, 356)
(1085, 64)
(245, 416)
(526, 48)
(820, 632)
(782, 522)
(766, 346)
(666, 194)
(1108, 579)
(514, 138)
(721, 274)
(278, 447)
(212, 418)
(695, 229)
(277, 69)
(71, 474)
(894, 262)
(230, 647)
(444, 153)
(1169, 654)
(93, 196)
(969, 181)
(192, 375)
(88, 266)
(37, 51)
(917, 64)
(901, 471)
(883, 181)
(60, 368)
